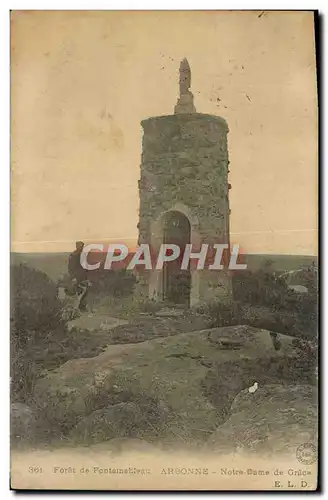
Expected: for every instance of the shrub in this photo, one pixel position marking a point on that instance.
(34, 303)
(115, 282)
(259, 287)
(35, 322)
(222, 314)
(267, 302)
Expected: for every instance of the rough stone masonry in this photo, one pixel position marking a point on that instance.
(184, 184)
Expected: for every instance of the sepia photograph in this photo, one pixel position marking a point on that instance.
(164, 250)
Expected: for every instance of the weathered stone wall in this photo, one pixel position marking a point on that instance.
(185, 163)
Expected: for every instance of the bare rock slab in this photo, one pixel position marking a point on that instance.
(168, 370)
(274, 419)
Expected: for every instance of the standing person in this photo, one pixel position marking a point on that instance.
(78, 274)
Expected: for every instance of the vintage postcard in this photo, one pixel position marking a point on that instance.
(164, 242)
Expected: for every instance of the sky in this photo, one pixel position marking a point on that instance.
(81, 82)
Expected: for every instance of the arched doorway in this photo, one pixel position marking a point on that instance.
(176, 282)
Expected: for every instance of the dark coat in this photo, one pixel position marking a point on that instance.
(75, 269)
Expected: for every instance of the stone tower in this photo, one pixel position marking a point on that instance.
(183, 190)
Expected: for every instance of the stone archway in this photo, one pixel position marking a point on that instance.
(156, 277)
(176, 282)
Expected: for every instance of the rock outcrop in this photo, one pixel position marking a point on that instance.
(164, 377)
(274, 419)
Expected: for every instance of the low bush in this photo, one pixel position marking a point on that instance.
(259, 287)
(40, 340)
(222, 313)
(266, 301)
(35, 305)
(115, 282)
(35, 321)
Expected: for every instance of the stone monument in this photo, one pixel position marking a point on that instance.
(183, 190)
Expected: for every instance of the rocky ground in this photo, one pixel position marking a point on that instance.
(274, 419)
(141, 327)
(168, 381)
